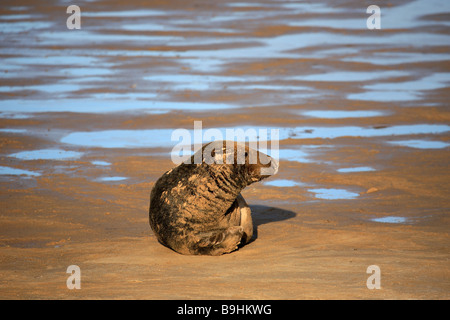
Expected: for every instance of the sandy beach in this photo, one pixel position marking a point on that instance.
(86, 117)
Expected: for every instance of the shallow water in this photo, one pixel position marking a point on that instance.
(282, 183)
(47, 154)
(341, 114)
(163, 137)
(421, 144)
(17, 172)
(394, 58)
(403, 91)
(127, 13)
(106, 105)
(133, 75)
(356, 169)
(298, 155)
(112, 179)
(391, 219)
(100, 163)
(350, 76)
(333, 194)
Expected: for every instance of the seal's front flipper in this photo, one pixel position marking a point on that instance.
(217, 242)
(245, 219)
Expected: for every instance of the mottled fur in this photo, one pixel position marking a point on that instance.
(198, 208)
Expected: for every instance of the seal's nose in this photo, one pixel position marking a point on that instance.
(272, 169)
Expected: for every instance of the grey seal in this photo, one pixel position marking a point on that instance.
(197, 208)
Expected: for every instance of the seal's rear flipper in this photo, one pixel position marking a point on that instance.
(217, 242)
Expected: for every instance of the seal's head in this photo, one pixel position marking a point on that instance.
(251, 165)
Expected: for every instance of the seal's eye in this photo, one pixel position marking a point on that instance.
(246, 154)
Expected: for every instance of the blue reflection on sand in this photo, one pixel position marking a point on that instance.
(23, 26)
(17, 172)
(412, 14)
(391, 219)
(112, 179)
(311, 7)
(88, 71)
(331, 23)
(333, 194)
(53, 60)
(122, 138)
(10, 130)
(55, 38)
(17, 16)
(148, 26)
(403, 91)
(356, 169)
(9, 115)
(124, 96)
(274, 47)
(342, 114)
(384, 96)
(104, 106)
(350, 131)
(125, 13)
(282, 183)
(196, 81)
(207, 82)
(50, 88)
(294, 155)
(421, 144)
(100, 163)
(47, 154)
(435, 81)
(162, 137)
(392, 58)
(353, 131)
(349, 76)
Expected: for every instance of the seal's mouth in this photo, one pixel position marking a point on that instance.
(262, 171)
(270, 168)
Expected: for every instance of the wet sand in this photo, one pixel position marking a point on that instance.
(85, 123)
